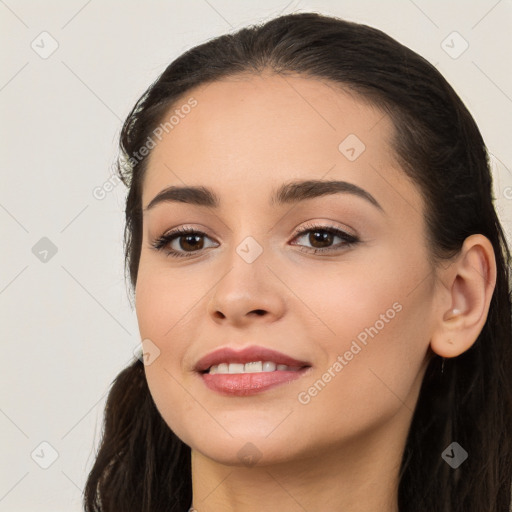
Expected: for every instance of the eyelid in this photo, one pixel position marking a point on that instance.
(311, 225)
(173, 234)
(186, 227)
(348, 239)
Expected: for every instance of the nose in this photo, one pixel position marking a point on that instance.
(247, 293)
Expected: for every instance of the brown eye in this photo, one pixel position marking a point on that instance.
(321, 239)
(181, 242)
(190, 242)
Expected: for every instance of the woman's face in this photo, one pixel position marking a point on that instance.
(357, 316)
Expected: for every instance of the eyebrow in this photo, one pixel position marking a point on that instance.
(288, 193)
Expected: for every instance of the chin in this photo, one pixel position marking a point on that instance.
(244, 453)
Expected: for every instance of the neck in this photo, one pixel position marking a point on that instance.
(359, 475)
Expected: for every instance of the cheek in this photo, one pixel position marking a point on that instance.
(165, 301)
(167, 305)
(375, 318)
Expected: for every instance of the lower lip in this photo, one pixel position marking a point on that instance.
(245, 384)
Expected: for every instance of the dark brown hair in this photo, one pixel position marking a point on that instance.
(142, 466)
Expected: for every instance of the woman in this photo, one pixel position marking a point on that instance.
(321, 286)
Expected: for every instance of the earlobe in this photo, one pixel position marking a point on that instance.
(447, 342)
(468, 286)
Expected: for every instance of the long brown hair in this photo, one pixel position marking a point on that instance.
(142, 466)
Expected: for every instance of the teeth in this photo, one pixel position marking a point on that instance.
(253, 367)
(257, 366)
(269, 366)
(236, 368)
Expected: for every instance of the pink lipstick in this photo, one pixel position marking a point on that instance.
(248, 371)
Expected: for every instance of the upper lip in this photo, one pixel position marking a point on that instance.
(246, 355)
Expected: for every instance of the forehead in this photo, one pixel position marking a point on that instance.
(248, 134)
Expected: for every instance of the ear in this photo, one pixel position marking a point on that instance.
(465, 295)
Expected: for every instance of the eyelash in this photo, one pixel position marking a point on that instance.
(160, 243)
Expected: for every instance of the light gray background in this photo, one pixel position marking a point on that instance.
(67, 326)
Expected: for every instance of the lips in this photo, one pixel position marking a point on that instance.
(246, 355)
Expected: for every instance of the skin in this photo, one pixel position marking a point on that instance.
(342, 450)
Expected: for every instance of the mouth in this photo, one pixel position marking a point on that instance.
(251, 367)
(249, 371)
